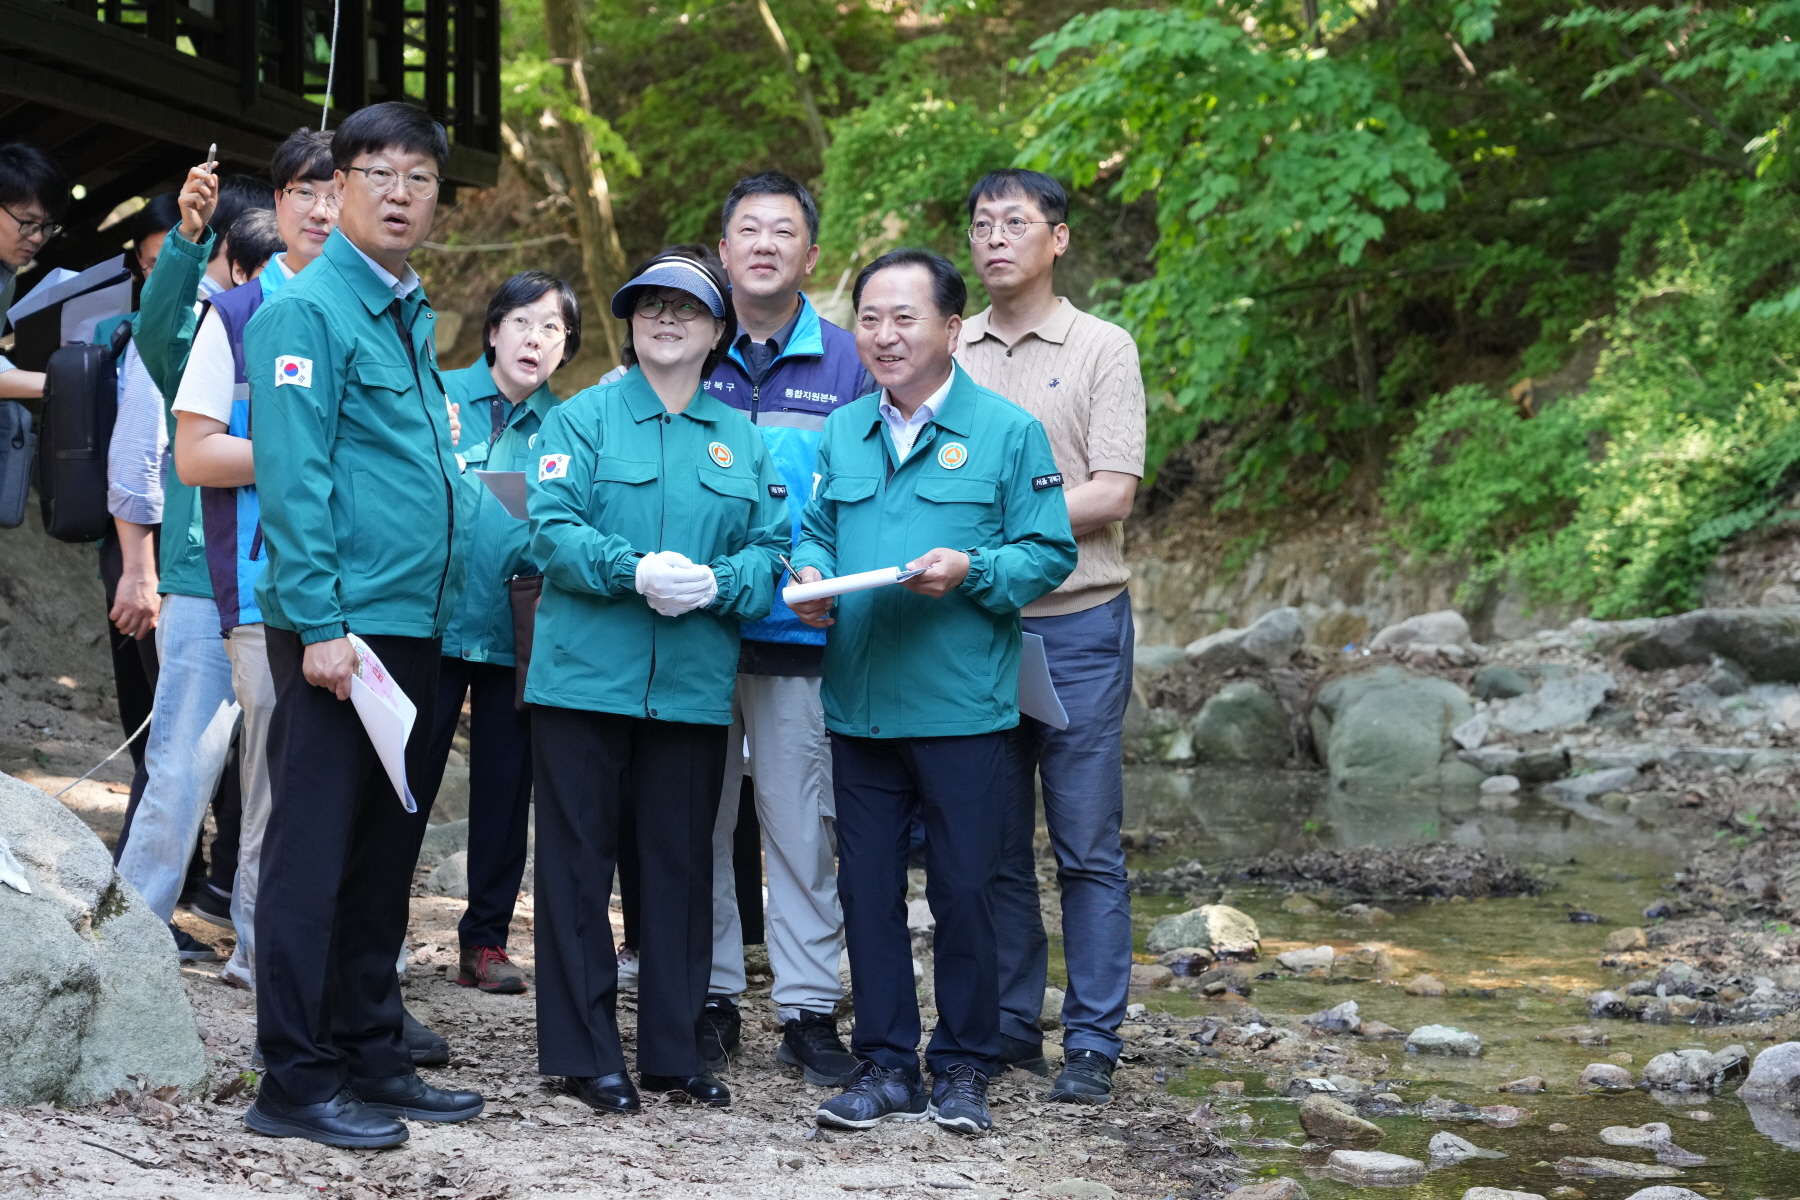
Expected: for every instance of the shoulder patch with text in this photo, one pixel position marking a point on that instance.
(778, 491)
(290, 369)
(553, 466)
(1040, 482)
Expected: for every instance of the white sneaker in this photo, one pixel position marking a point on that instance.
(237, 974)
(628, 969)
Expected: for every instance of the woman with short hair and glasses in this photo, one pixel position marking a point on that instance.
(533, 326)
(658, 518)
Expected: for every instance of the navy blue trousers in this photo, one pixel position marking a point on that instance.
(958, 786)
(499, 790)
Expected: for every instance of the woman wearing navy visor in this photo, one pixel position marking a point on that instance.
(657, 519)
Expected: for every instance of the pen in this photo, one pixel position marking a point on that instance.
(790, 566)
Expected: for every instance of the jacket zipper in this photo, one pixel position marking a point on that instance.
(437, 611)
(662, 529)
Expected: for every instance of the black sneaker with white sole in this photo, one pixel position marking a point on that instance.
(190, 948)
(811, 1043)
(959, 1100)
(875, 1094)
(1023, 1055)
(211, 905)
(1086, 1078)
(720, 1031)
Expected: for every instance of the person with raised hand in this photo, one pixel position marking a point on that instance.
(657, 515)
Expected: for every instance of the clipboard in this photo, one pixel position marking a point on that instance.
(508, 488)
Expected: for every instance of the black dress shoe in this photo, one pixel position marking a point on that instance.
(605, 1093)
(342, 1120)
(701, 1089)
(409, 1098)
(427, 1048)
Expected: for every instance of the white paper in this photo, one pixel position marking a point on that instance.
(387, 714)
(508, 488)
(63, 284)
(1037, 692)
(83, 313)
(862, 581)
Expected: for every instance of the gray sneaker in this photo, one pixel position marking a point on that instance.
(875, 1094)
(959, 1100)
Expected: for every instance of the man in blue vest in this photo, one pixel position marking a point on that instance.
(788, 369)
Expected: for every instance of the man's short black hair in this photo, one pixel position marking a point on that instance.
(303, 155)
(27, 174)
(709, 262)
(771, 183)
(255, 239)
(159, 215)
(948, 291)
(391, 123)
(528, 287)
(1034, 186)
(238, 194)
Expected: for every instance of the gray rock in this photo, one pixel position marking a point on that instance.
(451, 877)
(1341, 1018)
(1694, 1070)
(1644, 1137)
(1499, 683)
(1271, 640)
(1607, 1004)
(90, 988)
(452, 803)
(1242, 724)
(1708, 757)
(441, 841)
(1665, 1192)
(1472, 732)
(1373, 1167)
(1606, 758)
(1050, 1015)
(1443, 1039)
(1494, 1193)
(1446, 1147)
(1225, 931)
(1329, 1119)
(1582, 787)
(1272, 1189)
(1387, 727)
(1445, 627)
(1151, 659)
(1612, 1168)
(1726, 678)
(1558, 703)
(1312, 959)
(1499, 785)
(1775, 1076)
(1765, 640)
(1606, 1075)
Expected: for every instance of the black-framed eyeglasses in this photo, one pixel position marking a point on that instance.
(307, 199)
(1013, 227)
(420, 185)
(32, 228)
(685, 308)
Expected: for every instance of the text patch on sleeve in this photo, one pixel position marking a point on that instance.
(1040, 482)
(778, 491)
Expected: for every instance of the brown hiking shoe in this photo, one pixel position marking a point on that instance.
(488, 968)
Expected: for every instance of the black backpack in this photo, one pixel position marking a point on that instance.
(17, 446)
(81, 400)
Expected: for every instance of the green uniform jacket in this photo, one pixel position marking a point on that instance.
(166, 323)
(496, 544)
(354, 466)
(618, 477)
(980, 479)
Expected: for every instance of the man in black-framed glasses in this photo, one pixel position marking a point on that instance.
(33, 194)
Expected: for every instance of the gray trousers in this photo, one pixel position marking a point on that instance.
(248, 650)
(781, 718)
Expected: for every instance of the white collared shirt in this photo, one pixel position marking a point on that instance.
(905, 431)
(402, 285)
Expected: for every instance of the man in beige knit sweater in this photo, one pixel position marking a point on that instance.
(1079, 376)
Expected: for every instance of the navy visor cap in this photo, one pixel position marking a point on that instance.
(682, 273)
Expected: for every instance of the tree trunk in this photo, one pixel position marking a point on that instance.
(602, 257)
(814, 125)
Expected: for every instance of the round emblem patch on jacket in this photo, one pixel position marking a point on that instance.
(721, 454)
(953, 455)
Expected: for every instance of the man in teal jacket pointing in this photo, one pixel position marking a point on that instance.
(921, 680)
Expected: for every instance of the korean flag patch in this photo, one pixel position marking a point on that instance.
(553, 466)
(297, 371)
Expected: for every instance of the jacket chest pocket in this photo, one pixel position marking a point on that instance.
(848, 489)
(728, 499)
(622, 498)
(384, 377)
(962, 511)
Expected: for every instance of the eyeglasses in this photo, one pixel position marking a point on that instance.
(1013, 227)
(685, 309)
(29, 229)
(420, 185)
(307, 199)
(550, 331)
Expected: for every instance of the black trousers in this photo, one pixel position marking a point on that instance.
(134, 680)
(591, 769)
(958, 787)
(746, 868)
(499, 789)
(337, 864)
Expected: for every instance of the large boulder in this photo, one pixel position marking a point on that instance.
(90, 987)
(1388, 727)
(1270, 640)
(1444, 628)
(1242, 724)
(1775, 1076)
(1219, 928)
(1765, 640)
(1559, 702)
(1694, 1070)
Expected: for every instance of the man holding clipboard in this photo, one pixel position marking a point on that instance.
(937, 475)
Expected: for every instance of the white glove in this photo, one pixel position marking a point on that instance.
(673, 585)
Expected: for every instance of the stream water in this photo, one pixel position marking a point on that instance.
(1515, 968)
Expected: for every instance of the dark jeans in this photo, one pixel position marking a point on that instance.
(337, 865)
(1084, 803)
(958, 786)
(499, 789)
(591, 769)
(134, 679)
